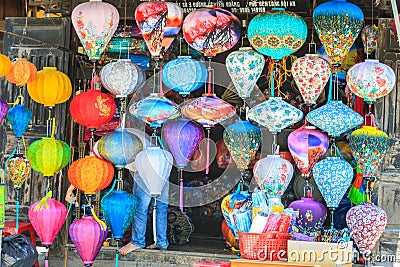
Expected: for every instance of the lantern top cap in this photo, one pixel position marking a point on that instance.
(307, 198)
(95, 0)
(209, 94)
(278, 9)
(184, 56)
(310, 127)
(372, 60)
(21, 58)
(124, 59)
(154, 94)
(245, 48)
(49, 68)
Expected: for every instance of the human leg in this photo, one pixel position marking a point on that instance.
(140, 218)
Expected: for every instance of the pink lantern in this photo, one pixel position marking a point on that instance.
(95, 23)
(368, 222)
(311, 73)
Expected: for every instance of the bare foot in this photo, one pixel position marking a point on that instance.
(152, 246)
(128, 248)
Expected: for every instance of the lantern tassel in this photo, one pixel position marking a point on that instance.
(16, 209)
(209, 76)
(272, 80)
(154, 221)
(208, 152)
(181, 189)
(160, 81)
(117, 255)
(102, 224)
(330, 88)
(46, 258)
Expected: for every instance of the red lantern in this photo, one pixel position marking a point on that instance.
(92, 108)
(21, 72)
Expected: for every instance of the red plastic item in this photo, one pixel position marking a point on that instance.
(212, 264)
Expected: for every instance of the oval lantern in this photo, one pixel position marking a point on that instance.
(368, 222)
(369, 36)
(3, 109)
(371, 79)
(195, 75)
(18, 169)
(277, 33)
(51, 87)
(119, 147)
(19, 117)
(311, 213)
(118, 208)
(95, 23)
(307, 146)
(92, 108)
(48, 155)
(5, 65)
(242, 139)
(88, 237)
(159, 22)
(211, 30)
(22, 72)
(244, 67)
(90, 174)
(338, 24)
(122, 77)
(311, 73)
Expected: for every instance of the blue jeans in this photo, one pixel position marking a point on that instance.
(140, 219)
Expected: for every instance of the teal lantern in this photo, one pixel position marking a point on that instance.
(277, 33)
(19, 117)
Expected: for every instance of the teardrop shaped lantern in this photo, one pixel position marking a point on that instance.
(311, 73)
(335, 118)
(338, 24)
(18, 169)
(211, 30)
(159, 22)
(311, 213)
(88, 237)
(5, 65)
(122, 77)
(95, 23)
(48, 155)
(19, 117)
(51, 87)
(22, 72)
(244, 67)
(371, 79)
(277, 33)
(90, 174)
(195, 75)
(369, 36)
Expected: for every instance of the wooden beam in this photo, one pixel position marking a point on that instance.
(2, 22)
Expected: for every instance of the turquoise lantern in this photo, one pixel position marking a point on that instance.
(19, 117)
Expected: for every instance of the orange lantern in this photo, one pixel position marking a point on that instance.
(90, 174)
(22, 72)
(50, 88)
(5, 65)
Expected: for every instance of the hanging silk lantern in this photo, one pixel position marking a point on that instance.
(311, 73)
(338, 24)
(326, 118)
(88, 237)
(90, 174)
(154, 110)
(369, 36)
(277, 33)
(311, 213)
(18, 169)
(51, 87)
(19, 117)
(159, 22)
(275, 114)
(120, 147)
(5, 65)
(118, 208)
(21, 72)
(368, 222)
(307, 146)
(184, 75)
(92, 108)
(3, 109)
(48, 155)
(242, 139)
(122, 77)
(244, 67)
(211, 30)
(371, 79)
(95, 23)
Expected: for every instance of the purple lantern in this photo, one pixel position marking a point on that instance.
(310, 212)
(3, 109)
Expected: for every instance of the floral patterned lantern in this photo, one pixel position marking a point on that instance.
(18, 169)
(21, 72)
(244, 67)
(19, 117)
(5, 65)
(369, 36)
(95, 23)
(311, 73)
(371, 80)
(311, 213)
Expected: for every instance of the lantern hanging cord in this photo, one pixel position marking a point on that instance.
(53, 128)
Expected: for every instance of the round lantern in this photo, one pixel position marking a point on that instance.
(5, 65)
(18, 169)
(184, 75)
(119, 147)
(211, 30)
(242, 140)
(95, 23)
(277, 33)
(3, 109)
(88, 237)
(159, 22)
(244, 67)
(122, 77)
(92, 108)
(311, 73)
(51, 87)
(310, 212)
(90, 174)
(48, 155)
(371, 80)
(338, 24)
(19, 117)
(21, 72)
(369, 36)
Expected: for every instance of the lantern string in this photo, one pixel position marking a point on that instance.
(154, 220)
(209, 76)
(53, 128)
(24, 143)
(208, 152)
(330, 88)
(116, 255)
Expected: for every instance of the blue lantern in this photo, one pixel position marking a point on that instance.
(184, 75)
(118, 208)
(277, 33)
(19, 117)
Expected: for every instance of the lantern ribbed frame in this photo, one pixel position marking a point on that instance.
(22, 72)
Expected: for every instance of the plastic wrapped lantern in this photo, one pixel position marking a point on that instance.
(19, 117)
(311, 213)
(5, 65)
(95, 23)
(21, 72)
(369, 36)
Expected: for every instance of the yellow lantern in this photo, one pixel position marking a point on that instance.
(51, 87)
(5, 65)
(22, 72)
